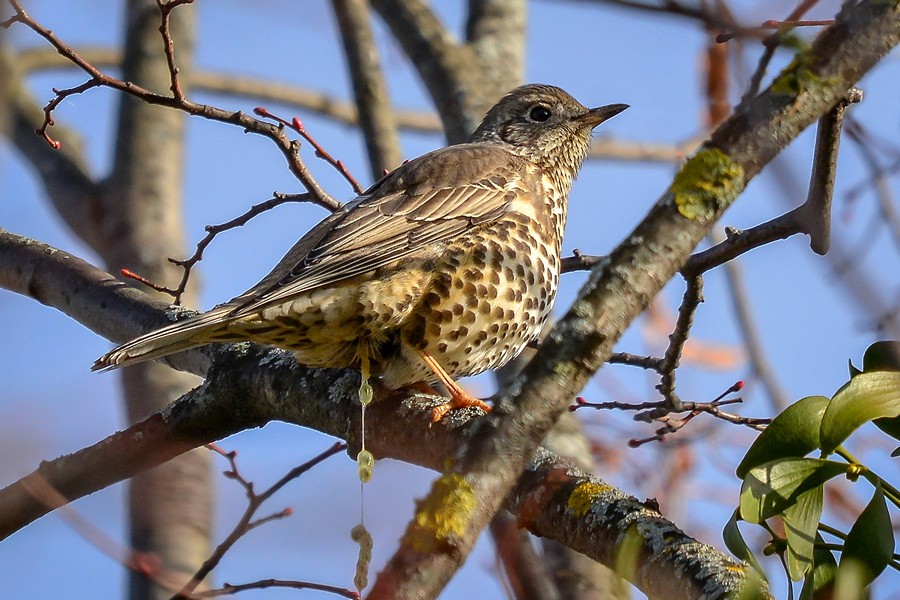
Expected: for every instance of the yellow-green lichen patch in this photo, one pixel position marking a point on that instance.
(708, 181)
(583, 496)
(444, 515)
(796, 77)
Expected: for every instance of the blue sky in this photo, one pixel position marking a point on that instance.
(52, 404)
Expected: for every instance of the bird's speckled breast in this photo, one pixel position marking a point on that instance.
(491, 293)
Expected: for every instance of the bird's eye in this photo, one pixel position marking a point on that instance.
(539, 113)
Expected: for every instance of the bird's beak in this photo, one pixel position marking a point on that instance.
(595, 116)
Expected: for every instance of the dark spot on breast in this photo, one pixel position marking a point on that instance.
(443, 282)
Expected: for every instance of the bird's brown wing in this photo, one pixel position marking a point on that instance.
(428, 200)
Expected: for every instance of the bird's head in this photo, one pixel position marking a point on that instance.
(545, 124)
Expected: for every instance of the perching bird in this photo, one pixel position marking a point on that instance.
(446, 267)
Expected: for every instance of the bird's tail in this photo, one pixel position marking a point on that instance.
(183, 335)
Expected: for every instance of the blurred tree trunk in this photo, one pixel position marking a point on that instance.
(141, 206)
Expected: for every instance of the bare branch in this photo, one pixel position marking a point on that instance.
(165, 9)
(71, 285)
(213, 230)
(377, 119)
(448, 69)
(693, 296)
(262, 584)
(740, 300)
(38, 59)
(296, 125)
(254, 502)
(290, 149)
(771, 43)
(602, 148)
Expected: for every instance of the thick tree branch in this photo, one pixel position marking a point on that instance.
(495, 30)
(452, 72)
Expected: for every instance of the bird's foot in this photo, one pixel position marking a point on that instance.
(458, 399)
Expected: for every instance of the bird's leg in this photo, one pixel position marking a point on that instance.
(364, 459)
(458, 396)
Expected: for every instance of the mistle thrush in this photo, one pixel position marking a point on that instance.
(446, 267)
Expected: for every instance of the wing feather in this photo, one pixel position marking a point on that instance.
(418, 204)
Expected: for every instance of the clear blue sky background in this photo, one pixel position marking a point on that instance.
(52, 404)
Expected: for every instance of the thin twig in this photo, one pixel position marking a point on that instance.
(212, 231)
(254, 501)
(693, 296)
(297, 126)
(165, 9)
(289, 148)
(262, 584)
(771, 43)
(650, 411)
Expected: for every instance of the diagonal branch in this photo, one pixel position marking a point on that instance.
(448, 69)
